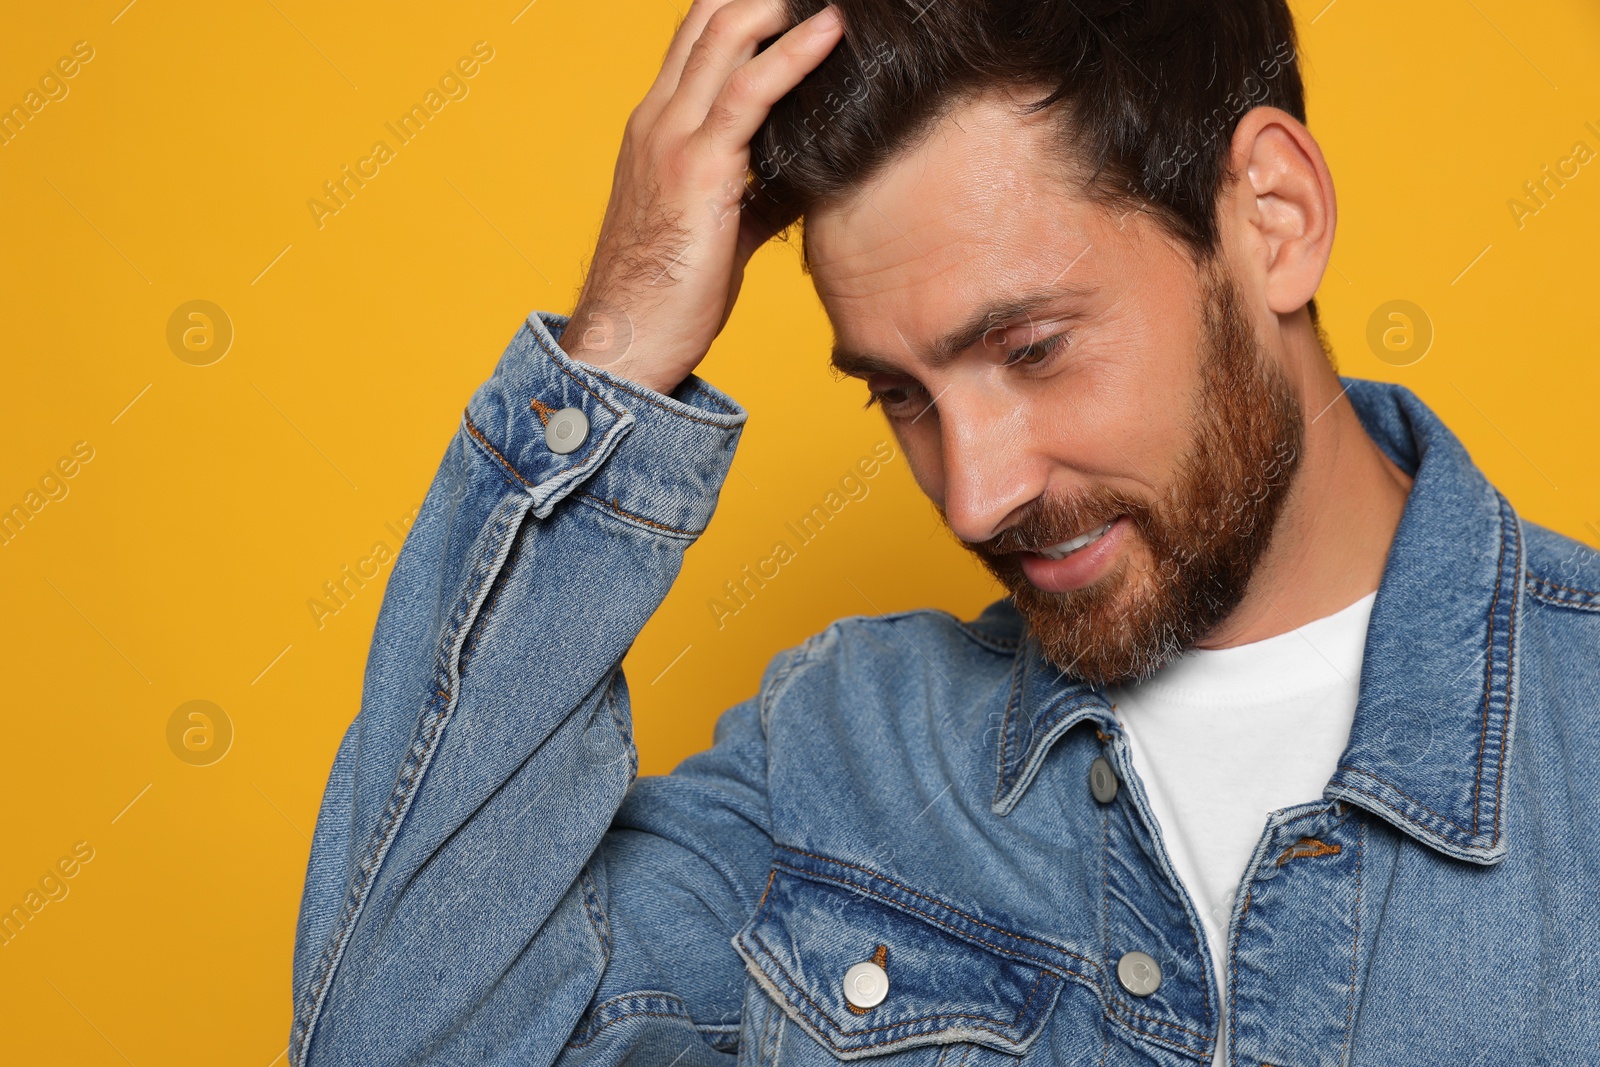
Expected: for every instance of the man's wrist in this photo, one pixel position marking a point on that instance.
(604, 337)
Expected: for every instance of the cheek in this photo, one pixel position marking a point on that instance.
(1122, 413)
(920, 444)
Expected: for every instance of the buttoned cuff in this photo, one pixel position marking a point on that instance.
(654, 460)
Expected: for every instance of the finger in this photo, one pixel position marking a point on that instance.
(689, 31)
(750, 91)
(753, 233)
(729, 39)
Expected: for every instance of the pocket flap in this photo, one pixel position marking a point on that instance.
(950, 977)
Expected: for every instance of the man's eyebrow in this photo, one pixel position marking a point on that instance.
(963, 337)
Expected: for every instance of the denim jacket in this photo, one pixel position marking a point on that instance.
(492, 883)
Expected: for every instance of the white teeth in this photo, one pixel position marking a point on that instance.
(1062, 550)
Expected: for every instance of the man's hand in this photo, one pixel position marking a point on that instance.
(674, 243)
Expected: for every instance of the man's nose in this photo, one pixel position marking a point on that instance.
(991, 467)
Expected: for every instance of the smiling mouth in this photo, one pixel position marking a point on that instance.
(1066, 548)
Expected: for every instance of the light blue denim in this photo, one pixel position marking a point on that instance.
(491, 883)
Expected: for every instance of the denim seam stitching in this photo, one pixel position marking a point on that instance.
(776, 690)
(475, 634)
(612, 506)
(602, 401)
(1355, 944)
(1233, 974)
(680, 414)
(1001, 786)
(763, 901)
(1488, 679)
(769, 1041)
(1054, 968)
(620, 720)
(1046, 731)
(477, 435)
(1115, 1001)
(1233, 950)
(594, 912)
(597, 1030)
(428, 729)
(505, 464)
(1539, 589)
(1105, 893)
(1021, 1012)
(573, 463)
(994, 643)
(802, 872)
(1511, 670)
(1399, 792)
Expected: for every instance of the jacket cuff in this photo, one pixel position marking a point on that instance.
(654, 460)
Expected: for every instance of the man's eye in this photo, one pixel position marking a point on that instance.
(895, 399)
(1034, 351)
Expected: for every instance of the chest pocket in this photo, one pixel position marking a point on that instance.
(944, 977)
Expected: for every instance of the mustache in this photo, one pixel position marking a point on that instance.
(1047, 521)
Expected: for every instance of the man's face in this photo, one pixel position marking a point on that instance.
(1094, 415)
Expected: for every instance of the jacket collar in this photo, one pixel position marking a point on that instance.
(1437, 706)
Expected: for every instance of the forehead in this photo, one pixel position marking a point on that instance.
(982, 207)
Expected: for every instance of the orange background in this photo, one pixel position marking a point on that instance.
(178, 565)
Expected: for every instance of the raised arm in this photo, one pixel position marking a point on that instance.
(464, 901)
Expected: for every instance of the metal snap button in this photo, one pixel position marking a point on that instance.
(566, 430)
(866, 984)
(1139, 973)
(1103, 780)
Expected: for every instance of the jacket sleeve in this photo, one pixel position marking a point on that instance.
(468, 898)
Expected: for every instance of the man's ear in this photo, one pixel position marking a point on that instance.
(1282, 206)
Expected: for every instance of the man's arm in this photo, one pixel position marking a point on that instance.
(493, 744)
(460, 905)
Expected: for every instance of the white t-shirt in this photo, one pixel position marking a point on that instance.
(1222, 737)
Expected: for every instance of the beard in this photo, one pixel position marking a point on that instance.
(1204, 536)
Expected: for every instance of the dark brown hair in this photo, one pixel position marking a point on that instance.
(1149, 93)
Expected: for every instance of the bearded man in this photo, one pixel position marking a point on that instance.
(1282, 749)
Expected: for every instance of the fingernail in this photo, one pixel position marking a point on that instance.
(826, 19)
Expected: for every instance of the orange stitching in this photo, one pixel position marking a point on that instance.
(763, 901)
(1557, 585)
(544, 411)
(1558, 600)
(484, 441)
(1307, 847)
(612, 505)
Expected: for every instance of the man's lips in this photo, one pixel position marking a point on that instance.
(1077, 562)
